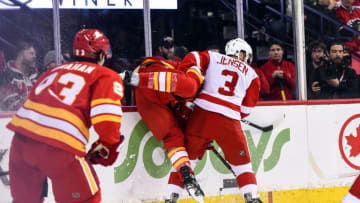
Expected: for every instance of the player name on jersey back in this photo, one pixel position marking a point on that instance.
(85, 68)
(233, 62)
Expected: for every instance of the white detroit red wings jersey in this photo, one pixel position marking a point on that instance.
(230, 87)
(66, 101)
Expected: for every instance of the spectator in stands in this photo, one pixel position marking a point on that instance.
(265, 87)
(354, 47)
(166, 49)
(335, 79)
(327, 7)
(330, 4)
(318, 55)
(348, 13)
(19, 77)
(312, 23)
(50, 60)
(279, 73)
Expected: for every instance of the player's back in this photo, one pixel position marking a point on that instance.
(153, 64)
(58, 109)
(225, 84)
(161, 66)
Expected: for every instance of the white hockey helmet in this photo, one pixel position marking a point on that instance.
(237, 45)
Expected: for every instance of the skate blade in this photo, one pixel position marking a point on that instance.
(198, 198)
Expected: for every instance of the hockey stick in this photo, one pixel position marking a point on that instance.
(274, 125)
(3, 178)
(223, 160)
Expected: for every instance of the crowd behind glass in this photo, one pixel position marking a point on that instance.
(333, 53)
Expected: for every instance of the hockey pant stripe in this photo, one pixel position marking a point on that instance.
(239, 169)
(178, 155)
(180, 162)
(245, 179)
(173, 151)
(89, 177)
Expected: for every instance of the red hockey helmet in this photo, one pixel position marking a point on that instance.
(88, 43)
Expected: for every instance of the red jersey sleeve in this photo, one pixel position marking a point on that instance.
(184, 83)
(106, 112)
(180, 84)
(251, 97)
(195, 65)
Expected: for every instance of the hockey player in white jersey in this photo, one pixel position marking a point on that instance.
(230, 89)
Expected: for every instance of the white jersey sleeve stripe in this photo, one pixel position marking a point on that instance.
(162, 81)
(245, 109)
(106, 109)
(240, 169)
(178, 155)
(51, 122)
(197, 58)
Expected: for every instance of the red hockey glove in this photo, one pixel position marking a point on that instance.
(104, 155)
(183, 110)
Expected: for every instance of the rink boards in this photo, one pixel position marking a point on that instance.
(312, 156)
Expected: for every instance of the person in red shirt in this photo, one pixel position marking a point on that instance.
(265, 87)
(229, 92)
(354, 46)
(55, 119)
(348, 12)
(279, 73)
(355, 2)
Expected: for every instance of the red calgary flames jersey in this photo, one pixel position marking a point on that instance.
(66, 101)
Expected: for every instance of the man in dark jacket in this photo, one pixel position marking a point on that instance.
(335, 79)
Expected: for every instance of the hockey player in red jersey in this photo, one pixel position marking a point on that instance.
(157, 110)
(52, 127)
(230, 91)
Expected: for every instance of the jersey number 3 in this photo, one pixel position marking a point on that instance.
(229, 86)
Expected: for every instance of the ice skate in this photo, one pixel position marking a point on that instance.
(191, 185)
(173, 198)
(249, 199)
